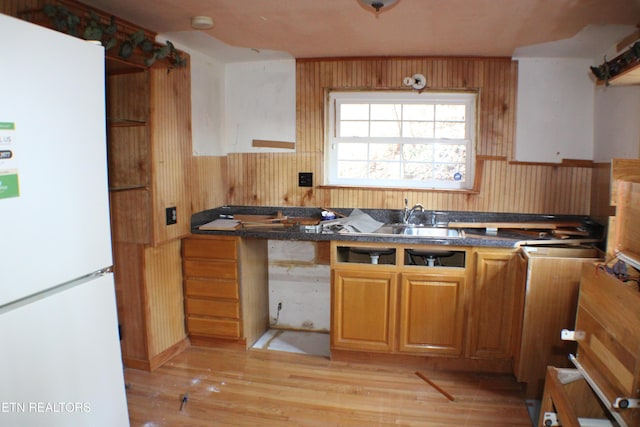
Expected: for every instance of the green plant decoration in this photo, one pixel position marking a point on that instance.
(63, 20)
(93, 28)
(609, 69)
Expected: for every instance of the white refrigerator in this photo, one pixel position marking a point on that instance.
(60, 361)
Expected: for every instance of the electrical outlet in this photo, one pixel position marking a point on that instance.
(305, 179)
(172, 215)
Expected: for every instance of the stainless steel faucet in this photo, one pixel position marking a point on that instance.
(408, 213)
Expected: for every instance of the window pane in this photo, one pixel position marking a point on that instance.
(385, 129)
(450, 130)
(352, 151)
(354, 111)
(417, 152)
(417, 112)
(417, 129)
(384, 170)
(448, 172)
(352, 170)
(450, 113)
(385, 111)
(385, 152)
(418, 171)
(400, 139)
(450, 153)
(354, 129)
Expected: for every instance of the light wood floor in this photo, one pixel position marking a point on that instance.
(256, 388)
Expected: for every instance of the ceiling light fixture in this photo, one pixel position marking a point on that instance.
(377, 4)
(201, 22)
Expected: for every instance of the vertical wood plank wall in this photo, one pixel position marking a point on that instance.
(271, 178)
(170, 117)
(165, 313)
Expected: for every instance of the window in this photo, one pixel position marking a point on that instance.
(402, 139)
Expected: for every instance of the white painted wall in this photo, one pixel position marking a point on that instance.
(207, 106)
(555, 110)
(261, 103)
(235, 100)
(207, 101)
(617, 123)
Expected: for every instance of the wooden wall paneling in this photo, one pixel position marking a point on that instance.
(170, 118)
(129, 216)
(129, 155)
(127, 97)
(505, 187)
(131, 301)
(600, 208)
(209, 182)
(163, 278)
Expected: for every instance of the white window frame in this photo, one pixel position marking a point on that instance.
(336, 98)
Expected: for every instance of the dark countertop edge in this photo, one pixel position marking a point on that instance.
(386, 215)
(293, 233)
(473, 237)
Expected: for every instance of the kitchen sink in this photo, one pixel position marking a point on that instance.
(409, 230)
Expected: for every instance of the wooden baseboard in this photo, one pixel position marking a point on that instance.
(133, 363)
(199, 341)
(159, 359)
(494, 366)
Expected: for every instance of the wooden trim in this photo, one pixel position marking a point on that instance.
(402, 58)
(628, 40)
(571, 163)
(161, 358)
(135, 363)
(260, 143)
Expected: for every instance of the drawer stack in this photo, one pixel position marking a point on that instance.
(211, 288)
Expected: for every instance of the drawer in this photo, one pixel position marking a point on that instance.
(226, 270)
(568, 395)
(609, 352)
(213, 327)
(211, 288)
(210, 249)
(206, 307)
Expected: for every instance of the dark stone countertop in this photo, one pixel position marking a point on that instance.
(508, 238)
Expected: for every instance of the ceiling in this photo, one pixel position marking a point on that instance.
(259, 29)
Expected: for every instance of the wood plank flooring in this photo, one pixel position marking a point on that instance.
(227, 387)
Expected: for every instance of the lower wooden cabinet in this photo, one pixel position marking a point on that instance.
(432, 314)
(553, 284)
(364, 310)
(496, 304)
(462, 306)
(225, 289)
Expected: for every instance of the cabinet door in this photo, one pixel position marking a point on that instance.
(432, 314)
(364, 310)
(494, 305)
